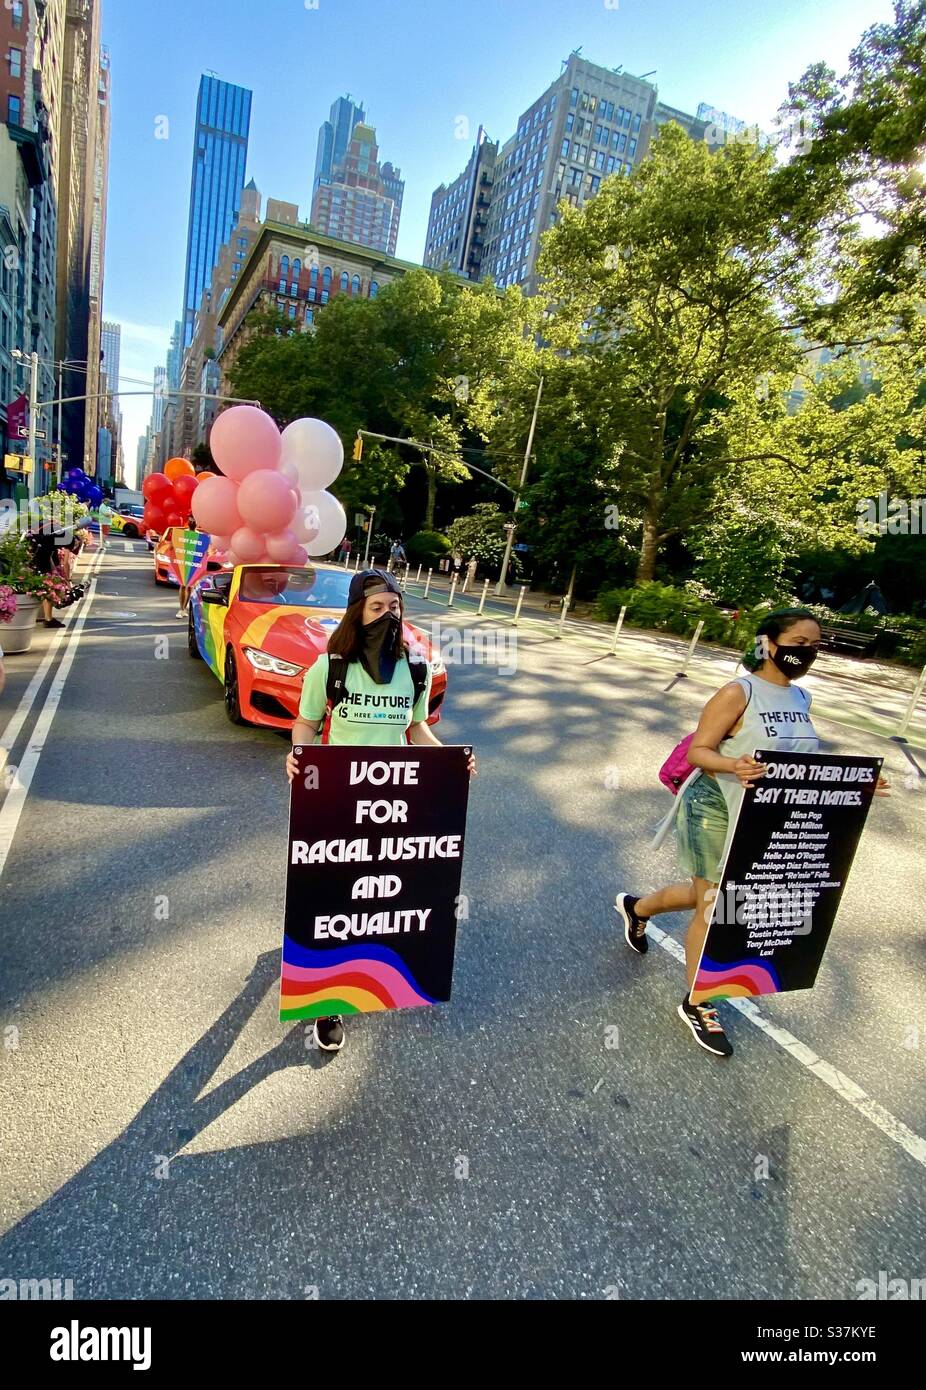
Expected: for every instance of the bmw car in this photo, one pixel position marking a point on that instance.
(260, 627)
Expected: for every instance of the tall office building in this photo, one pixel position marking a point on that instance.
(174, 354)
(110, 344)
(220, 152)
(334, 137)
(459, 214)
(160, 391)
(591, 122)
(82, 221)
(353, 204)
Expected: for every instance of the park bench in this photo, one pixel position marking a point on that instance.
(848, 639)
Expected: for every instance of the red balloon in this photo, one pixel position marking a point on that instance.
(153, 518)
(155, 487)
(184, 489)
(174, 519)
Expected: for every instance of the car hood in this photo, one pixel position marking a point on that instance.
(300, 635)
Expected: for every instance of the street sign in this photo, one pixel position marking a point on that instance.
(523, 506)
(23, 433)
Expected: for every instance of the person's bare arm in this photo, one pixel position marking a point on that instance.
(721, 713)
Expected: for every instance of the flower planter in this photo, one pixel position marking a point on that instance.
(16, 635)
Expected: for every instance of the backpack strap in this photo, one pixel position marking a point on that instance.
(419, 674)
(336, 688)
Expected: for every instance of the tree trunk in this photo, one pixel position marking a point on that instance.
(646, 567)
(432, 498)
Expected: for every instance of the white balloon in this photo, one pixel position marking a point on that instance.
(316, 452)
(332, 523)
(304, 524)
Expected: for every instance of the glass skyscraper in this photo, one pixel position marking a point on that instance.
(334, 137)
(220, 152)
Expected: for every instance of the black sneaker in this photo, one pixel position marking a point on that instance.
(53, 622)
(329, 1034)
(703, 1021)
(634, 926)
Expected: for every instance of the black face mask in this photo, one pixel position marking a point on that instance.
(379, 639)
(794, 661)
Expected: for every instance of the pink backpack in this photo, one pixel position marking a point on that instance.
(677, 769)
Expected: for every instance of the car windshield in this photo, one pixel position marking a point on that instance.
(300, 586)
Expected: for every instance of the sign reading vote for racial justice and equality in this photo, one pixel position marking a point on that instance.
(188, 555)
(373, 878)
(784, 874)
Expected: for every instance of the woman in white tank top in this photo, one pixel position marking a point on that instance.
(761, 710)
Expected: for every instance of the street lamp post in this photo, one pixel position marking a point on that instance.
(517, 501)
(33, 410)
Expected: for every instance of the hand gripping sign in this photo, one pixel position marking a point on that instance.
(373, 878)
(783, 877)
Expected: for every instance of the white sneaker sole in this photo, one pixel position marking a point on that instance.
(622, 911)
(694, 1033)
(325, 1047)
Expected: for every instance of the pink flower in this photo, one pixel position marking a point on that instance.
(7, 603)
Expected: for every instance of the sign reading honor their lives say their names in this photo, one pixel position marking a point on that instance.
(373, 878)
(789, 857)
(188, 555)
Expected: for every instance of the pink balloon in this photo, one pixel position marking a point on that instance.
(221, 543)
(300, 556)
(248, 545)
(281, 545)
(265, 501)
(232, 558)
(243, 440)
(215, 506)
(290, 471)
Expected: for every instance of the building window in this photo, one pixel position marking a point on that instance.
(292, 311)
(297, 266)
(609, 111)
(310, 294)
(13, 110)
(15, 60)
(17, 13)
(636, 123)
(310, 315)
(313, 275)
(574, 97)
(326, 281)
(374, 289)
(324, 296)
(355, 285)
(345, 279)
(570, 122)
(564, 150)
(284, 267)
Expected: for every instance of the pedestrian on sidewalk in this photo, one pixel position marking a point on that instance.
(731, 727)
(104, 517)
(44, 541)
(367, 656)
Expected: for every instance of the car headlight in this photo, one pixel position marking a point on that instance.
(263, 661)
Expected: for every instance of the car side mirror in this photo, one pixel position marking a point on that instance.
(214, 596)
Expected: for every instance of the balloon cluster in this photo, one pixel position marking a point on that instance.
(168, 495)
(271, 504)
(76, 482)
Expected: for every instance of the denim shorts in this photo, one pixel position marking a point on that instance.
(701, 830)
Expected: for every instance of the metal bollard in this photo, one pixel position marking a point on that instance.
(617, 630)
(428, 584)
(418, 575)
(517, 611)
(911, 707)
(564, 602)
(453, 589)
(357, 562)
(482, 601)
(694, 642)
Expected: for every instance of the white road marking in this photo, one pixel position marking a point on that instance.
(843, 1085)
(13, 806)
(129, 547)
(14, 727)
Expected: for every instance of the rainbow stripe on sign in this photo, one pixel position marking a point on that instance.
(737, 980)
(190, 554)
(344, 980)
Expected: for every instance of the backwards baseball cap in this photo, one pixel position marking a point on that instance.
(369, 582)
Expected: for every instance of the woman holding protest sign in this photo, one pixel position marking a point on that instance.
(369, 661)
(748, 713)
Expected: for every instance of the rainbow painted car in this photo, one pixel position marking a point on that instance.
(260, 627)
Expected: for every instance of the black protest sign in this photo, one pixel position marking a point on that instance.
(785, 870)
(373, 878)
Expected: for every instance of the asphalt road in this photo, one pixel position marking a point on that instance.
(163, 1136)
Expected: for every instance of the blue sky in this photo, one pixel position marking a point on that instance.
(417, 65)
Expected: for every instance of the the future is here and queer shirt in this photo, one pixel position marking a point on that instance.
(367, 713)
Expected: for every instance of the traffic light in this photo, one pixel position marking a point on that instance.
(358, 449)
